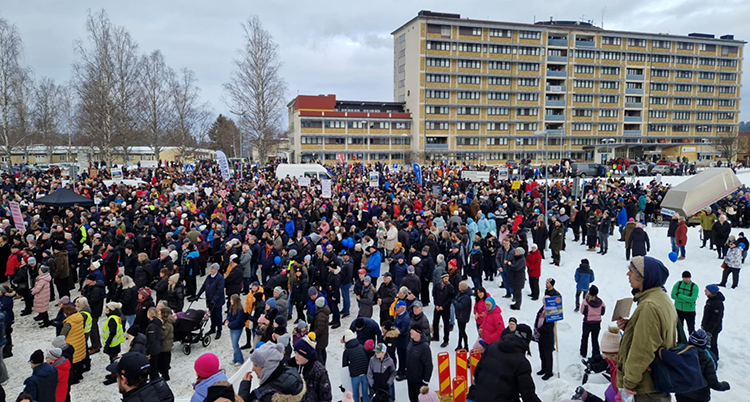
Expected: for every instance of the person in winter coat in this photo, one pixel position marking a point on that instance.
(381, 372)
(708, 369)
(299, 284)
(22, 279)
(175, 293)
(401, 322)
(366, 299)
(356, 359)
(493, 324)
(153, 341)
(278, 382)
(42, 384)
(145, 302)
(320, 328)
(161, 284)
(387, 293)
(444, 294)
(6, 307)
(534, 268)
(55, 358)
(412, 281)
(72, 330)
(593, 310)
(167, 341)
(41, 291)
(480, 309)
(651, 326)
(129, 301)
(214, 288)
(132, 380)
(584, 277)
(418, 362)
(463, 314)
(732, 258)
(137, 339)
(684, 294)
(503, 373)
(556, 241)
(680, 237)
(235, 321)
(207, 370)
(708, 219)
(312, 371)
(113, 335)
(592, 226)
(143, 271)
(637, 243)
(713, 316)
(94, 292)
(721, 231)
(517, 276)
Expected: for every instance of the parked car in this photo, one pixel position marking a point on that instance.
(587, 170)
(665, 170)
(665, 162)
(512, 164)
(644, 168)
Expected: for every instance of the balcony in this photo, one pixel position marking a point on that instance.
(585, 43)
(556, 88)
(633, 119)
(551, 73)
(557, 42)
(436, 146)
(557, 131)
(638, 77)
(563, 59)
(554, 117)
(631, 132)
(633, 104)
(634, 91)
(554, 102)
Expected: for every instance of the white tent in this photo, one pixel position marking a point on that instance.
(700, 191)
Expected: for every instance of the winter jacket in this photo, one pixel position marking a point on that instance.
(373, 264)
(73, 332)
(463, 306)
(627, 231)
(63, 374)
(534, 264)
(142, 275)
(214, 288)
(419, 360)
(653, 325)
(733, 257)
(42, 385)
(516, 272)
(672, 227)
(236, 320)
(443, 295)
(713, 314)
(480, 311)
(721, 232)
(371, 330)
(367, 299)
(153, 337)
(412, 282)
(708, 369)
(387, 294)
(556, 237)
(493, 326)
(400, 269)
(160, 289)
(317, 383)
(381, 373)
(284, 385)
(41, 293)
(638, 243)
(176, 297)
(503, 373)
(320, 327)
(685, 295)
(584, 277)
(154, 391)
(707, 220)
(233, 280)
(95, 294)
(129, 301)
(167, 334)
(355, 358)
(680, 234)
(22, 277)
(201, 389)
(402, 323)
(592, 310)
(138, 344)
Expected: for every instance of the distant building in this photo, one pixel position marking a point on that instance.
(40, 154)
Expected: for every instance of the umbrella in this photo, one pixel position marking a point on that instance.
(64, 198)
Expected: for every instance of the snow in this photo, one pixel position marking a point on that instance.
(611, 279)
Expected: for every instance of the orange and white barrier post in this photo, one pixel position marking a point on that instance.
(462, 364)
(459, 389)
(474, 357)
(444, 373)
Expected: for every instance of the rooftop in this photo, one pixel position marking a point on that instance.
(330, 103)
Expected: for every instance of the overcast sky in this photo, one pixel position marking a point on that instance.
(327, 46)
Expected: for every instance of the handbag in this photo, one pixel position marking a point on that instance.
(724, 265)
(677, 370)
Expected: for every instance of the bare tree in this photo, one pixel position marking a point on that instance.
(154, 82)
(106, 80)
(191, 116)
(22, 129)
(11, 48)
(67, 119)
(47, 116)
(729, 144)
(256, 88)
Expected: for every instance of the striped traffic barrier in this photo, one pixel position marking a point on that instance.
(462, 364)
(459, 389)
(474, 357)
(444, 373)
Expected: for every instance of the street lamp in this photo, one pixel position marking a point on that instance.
(546, 173)
(403, 148)
(364, 139)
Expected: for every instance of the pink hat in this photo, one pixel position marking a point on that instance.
(369, 345)
(631, 220)
(206, 365)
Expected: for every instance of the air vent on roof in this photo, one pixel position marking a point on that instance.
(729, 37)
(701, 35)
(428, 13)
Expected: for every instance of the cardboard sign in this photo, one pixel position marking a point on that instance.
(18, 222)
(622, 308)
(374, 179)
(325, 188)
(303, 181)
(516, 185)
(116, 173)
(553, 307)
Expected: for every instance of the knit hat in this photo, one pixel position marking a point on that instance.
(206, 365)
(91, 277)
(698, 338)
(134, 330)
(312, 291)
(280, 330)
(302, 324)
(278, 290)
(712, 288)
(37, 357)
(145, 291)
(512, 320)
(112, 306)
(63, 300)
(585, 261)
(320, 302)
(44, 269)
(369, 345)
(305, 347)
(174, 278)
(686, 274)
(96, 264)
(271, 302)
(551, 281)
(216, 391)
(367, 279)
(214, 267)
(349, 335)
(55, 353)
(593, 290)
(267, 357)
(59, 341)
(611, 340)
(520, 250)
(453, 262)
(415, 260)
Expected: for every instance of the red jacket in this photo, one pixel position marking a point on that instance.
(12, 264)
(680, 235)
(517, 222)
(63, 372)
(493, 326)
(534, 264)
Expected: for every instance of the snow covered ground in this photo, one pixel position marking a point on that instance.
(611, 279)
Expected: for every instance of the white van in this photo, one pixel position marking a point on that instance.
(297, 170)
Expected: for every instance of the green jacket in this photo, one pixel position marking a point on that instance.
(627, 231)
(652, 326)
(685, 295)
(707, 221)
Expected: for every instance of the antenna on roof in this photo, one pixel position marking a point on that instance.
(603, 11)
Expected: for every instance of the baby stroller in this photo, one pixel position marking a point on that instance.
(189, 327)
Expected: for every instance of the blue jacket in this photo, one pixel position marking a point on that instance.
(371, 330)
(373, 264)
(236, 321)
(6, 305)
(484, 227)
(42, 384)
(642, 202)
(584, 277)
(201, 390)
(311, 303)
(402, 323)
(400, 273)
(214, 288)
(99, 274)
(622, 217)
(267, 262)
(289, 228)
(493, 224)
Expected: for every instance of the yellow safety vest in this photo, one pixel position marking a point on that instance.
(119, 336)
(84, 234)
(86, 322)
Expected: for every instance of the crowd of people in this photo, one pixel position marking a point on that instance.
(280, 266)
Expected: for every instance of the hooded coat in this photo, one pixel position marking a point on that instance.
(638, 243)
(41, 293)
(42, 384)
(584, 277)
(283, 385)
(503, 373)
(493, 325)
(419, 360)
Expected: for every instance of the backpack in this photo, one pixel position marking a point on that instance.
(677, 370)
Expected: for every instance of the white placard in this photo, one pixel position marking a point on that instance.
(374, 179)
(223, 165)
(303, 181)
(325, 188)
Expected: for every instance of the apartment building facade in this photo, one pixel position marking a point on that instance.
(487, 91)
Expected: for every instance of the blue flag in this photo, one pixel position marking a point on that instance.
(418, 173)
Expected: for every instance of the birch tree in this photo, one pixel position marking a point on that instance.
(11, 49)
(190, 115)
(47, 116)
(155, 78)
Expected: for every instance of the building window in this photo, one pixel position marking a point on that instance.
(469, 79)
(498, 96)
(583, 84)
(441, 78)
(636, 42)
(467, 141)
(728, 76)
(498, 81)
(431, 93)
(705, 61)
(445, 31)
(608, 113)
(703, 128)
(681, 115)
(683, 60)
(584, 69)
(355, 124)
(527, 127)
(728, 63)
(583, 98)
(312, 140)
(661, 44)
(726, 102)
(585, 54)
(660, 73)
(470, 47)
(683, 74)
(727, 90)
(609, 85)
(433, 62)
(498, 111)
(611, 40)
(438, 45)
(610, 70)
(657, 114)
(682, 101)
(725, 116)
(402, 125)
(582, 113)
(683, 88)
(528, 66)
(467, 126)
(705, 102)
(528, 51)
(609, 99)
(637, 57)
(610, 55)
(607, 127)
(528, 82)
(655, 100)
(311, 123)
(437, 110)
(498, 127)
(475, 64)
(707, 48)
(501, 33)
(655, 86)
(467, 110)
(527, 97)
(724, 129)
(660, 58)
(660, 128)
(705, 75)
(581, 126)
(580, 141)
(706, 88)
(527, 112)
(498, 65)
(500, 49)
(684, 46)
(529, 34)
(435, 126)
(680, 128)
(496, 140)
(704, 116)
(467, 95)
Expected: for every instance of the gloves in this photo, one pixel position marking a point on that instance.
(724, 386)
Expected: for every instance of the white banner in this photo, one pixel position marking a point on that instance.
(325, 188)
(116, 173)
(223, 165)
(303, 181)
(374, 179)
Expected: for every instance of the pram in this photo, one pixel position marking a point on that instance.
(189, 327)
